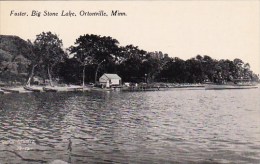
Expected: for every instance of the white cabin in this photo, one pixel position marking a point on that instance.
(109, 80)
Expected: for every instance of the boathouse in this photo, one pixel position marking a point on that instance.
(110, 80)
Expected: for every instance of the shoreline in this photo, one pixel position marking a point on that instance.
(77, 88)
(137, 88)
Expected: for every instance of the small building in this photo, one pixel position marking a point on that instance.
(110, 80)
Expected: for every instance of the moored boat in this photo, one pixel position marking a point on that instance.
(15, 90)
(64, 88)
(75, 88)
(33, 88)
(11, 90)
(236, 84)
(220, 87)
(49, 89)
(1, 91)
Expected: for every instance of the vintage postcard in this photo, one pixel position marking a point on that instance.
(130, 82)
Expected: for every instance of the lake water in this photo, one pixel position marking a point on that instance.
(175, 126)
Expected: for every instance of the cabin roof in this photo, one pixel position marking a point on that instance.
(111, 76)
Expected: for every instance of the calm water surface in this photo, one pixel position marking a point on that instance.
(176, 126)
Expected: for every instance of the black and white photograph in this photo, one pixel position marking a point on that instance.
(136, 82)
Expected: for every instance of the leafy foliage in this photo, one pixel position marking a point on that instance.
(13, 60)
(48, 51)
(93, 55)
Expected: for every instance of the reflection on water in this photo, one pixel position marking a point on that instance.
(182, 126)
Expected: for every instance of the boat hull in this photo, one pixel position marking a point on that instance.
(222, 87)
(65, 89)
(47, 89)
(33, 89)
(10, 90)
(1, 91)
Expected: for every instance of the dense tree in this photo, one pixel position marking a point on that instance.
(202, 69)
(93, 54)
(94, 49)
(13, 63)
(49, 48)
(70, 71)
(130, 63)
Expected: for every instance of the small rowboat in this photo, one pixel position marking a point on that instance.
(15, 90)
(63, 88)
(1, 91)
(34, 89)
(10, 90)
(49, 89)
(74, 88)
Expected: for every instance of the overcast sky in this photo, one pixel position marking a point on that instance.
(220, 29)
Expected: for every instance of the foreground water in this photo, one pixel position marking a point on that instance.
(176, 126)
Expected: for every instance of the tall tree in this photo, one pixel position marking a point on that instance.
(131, 63)
(49, 47)
(35, 60)
(96, 49)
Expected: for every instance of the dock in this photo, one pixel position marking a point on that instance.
(78, 88)
(29, 89)
(16, 90)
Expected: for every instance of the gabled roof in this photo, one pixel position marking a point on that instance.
(111, 76)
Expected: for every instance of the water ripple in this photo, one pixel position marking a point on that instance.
(177, 126)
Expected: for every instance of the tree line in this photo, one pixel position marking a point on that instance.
(93, 55)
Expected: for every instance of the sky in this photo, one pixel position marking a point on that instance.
(221, 29)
